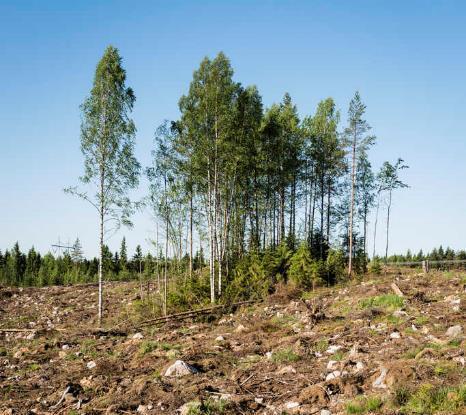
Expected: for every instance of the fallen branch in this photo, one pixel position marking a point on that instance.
(62, 398)
(192, 313)
(396, 290)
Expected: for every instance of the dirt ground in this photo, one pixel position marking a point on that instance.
(339, 350)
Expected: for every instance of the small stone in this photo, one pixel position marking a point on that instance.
(333, 349)
(325, 412)
(335, 374)
(91, 364)
(179, 369)
(259, 400)
(138, 336)
(285, 370)
(220, 339)
(268, 355)
(291, 405)
(399, 313)
(65, 347)
(395, 335)
(332, 364)
(359, 366)
(454, 331)
(380, 381)
(240, 329)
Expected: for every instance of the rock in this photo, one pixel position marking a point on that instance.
(188, 408)
(240, 329)
(380, 381)
(359, 366)
(142, 409)
(220, 339)
(395, 335)
(138, 336)
(399, 313)
(335, 374)
(325, 412)
(31, 335)
(454, 331)
(291, 405)
(91, 364)
(333, 349)
(21, 352)
(65, 347)
(285, 370)
(179, 369)
(331, 365)
(268, 355)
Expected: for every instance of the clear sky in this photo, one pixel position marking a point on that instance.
(407, 59)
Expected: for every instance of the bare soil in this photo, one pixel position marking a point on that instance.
(293, 353)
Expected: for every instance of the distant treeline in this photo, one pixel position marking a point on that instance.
(33, 269)
(437, 254)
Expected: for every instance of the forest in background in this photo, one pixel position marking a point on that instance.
(242, 196)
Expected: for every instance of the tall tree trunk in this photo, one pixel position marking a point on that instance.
(322, 215)
(191, 234)
(165, 271)
(101, 259)
(388, 222)
(375, 223)
(351, 212)
(329, 210)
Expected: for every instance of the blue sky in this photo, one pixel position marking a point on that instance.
(407, 59)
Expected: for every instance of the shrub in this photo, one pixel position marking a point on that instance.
(336, 266)
(302, 268)
(375, 267)
(276, 262)
(249, 281)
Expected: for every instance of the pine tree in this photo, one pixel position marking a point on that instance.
(358, 142)
(302, 267)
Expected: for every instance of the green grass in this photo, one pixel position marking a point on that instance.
(285, 355)
(444, 368)
(430, 400)
(387, 301)
(147, 346)
(208, 407)
(421, 320)
(320, 346)
(364, 405)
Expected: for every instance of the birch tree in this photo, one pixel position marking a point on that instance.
(107, 144)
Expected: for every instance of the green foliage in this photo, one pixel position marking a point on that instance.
(286, 355)
(302, 268)
(276, 262)
(209, 406)
(389, 301)
(250, 280)
(147, 346)
(364, 405)
(375, 266)
(336, 266)
(430, 399)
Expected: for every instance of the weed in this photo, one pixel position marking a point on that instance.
(147, 346)
(208, 407)
(429, 399)
(320, 346)
(364, 405)
(285, 355)
(388, 301)
(421, 320)
(444, 368)
(401, 394)
(338, 356)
